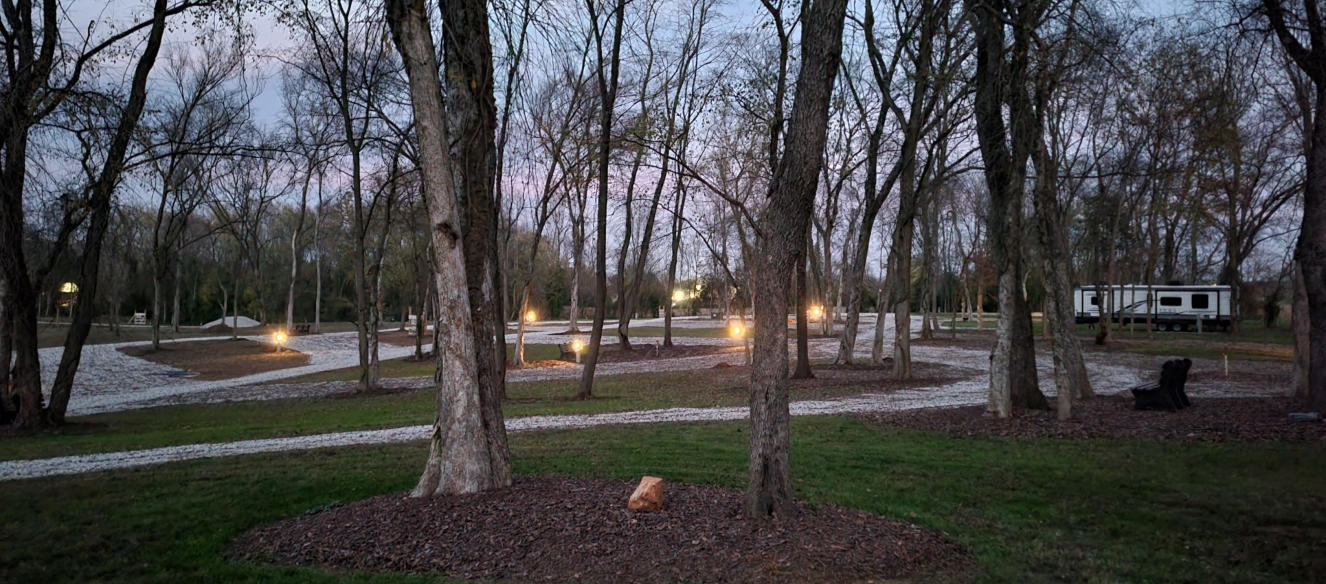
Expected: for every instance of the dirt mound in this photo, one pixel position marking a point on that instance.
(579, 530)
(1208, 420)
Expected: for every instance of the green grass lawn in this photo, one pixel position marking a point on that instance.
(220, 422)
(1030, 510)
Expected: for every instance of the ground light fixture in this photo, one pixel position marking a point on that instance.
(531, 316)
(279, 338)
(577, 347)
(738, 330)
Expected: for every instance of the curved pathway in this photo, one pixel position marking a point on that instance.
(1109, 374)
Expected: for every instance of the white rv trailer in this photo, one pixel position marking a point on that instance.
(1176, 308)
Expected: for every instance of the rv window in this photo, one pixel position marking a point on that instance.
(1095, 301)
(1171, 301)
(1201, 300)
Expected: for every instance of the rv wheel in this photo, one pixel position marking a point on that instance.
(1162, 327)
(1183, 328)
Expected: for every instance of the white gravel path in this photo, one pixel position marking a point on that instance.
(1109, 374)
(66, 465)
(109, 380)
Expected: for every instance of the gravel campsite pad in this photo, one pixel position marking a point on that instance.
(220, 359)
(565, 530)
(1208, 420)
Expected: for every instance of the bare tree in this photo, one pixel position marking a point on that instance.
(607, 85)
(1290, 28)
(347, 58)
(468, 452)
(202, 116)
(1013, 359)
(782, 225)
(42, 73)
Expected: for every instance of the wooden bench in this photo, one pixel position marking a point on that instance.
(1168, 393)
(302, 329)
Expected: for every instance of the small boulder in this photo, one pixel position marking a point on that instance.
(648, 496)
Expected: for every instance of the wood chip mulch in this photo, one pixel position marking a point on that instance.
(579, 530)
(649, 352)
(1241, 419)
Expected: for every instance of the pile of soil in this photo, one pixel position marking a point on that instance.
(579, 530)
(1208, 420)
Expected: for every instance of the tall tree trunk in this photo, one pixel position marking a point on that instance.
(363, 295)
(1013, 380)
(317, 262)
(803, 333)
(1070, 372)
(881, 316)
(468, 450)
(175, 310)
(854, 271)
(6, 351)
(294, 253)
(472, 111)
(608, 99)
(783, 225)
(234, 307)
(100, 204)
(156, 309)
(520, 326)
(679, 206)
(577, 251)
(1302, 328)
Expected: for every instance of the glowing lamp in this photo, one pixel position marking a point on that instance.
(68, 288)
(531, 316)
(736, 330)
(279, 338)
(678, 295)
(577, 346)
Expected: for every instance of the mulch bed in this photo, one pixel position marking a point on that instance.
(579, 530)
(880, 377)
(220, 359)
(649, 352)
(1208, 420)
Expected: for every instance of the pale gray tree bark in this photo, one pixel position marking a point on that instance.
(468, 450)
(1013, 381)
